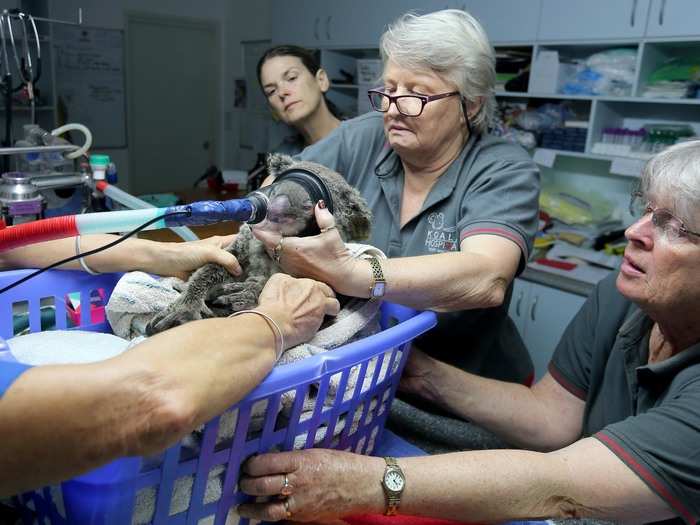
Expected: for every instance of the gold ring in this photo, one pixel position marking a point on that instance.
(287, 512)
(286, 487)
(324, 230)
(277, 251)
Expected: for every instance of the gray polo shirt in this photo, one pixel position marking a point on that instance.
(290, 145)
(491, 188)
(646, 414)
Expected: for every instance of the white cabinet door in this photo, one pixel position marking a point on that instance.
(549, 311)
(506, 20)
(300, 22)
(361, 23)
(322, 24)
(674, 18)
(592, 19)
(518, 304)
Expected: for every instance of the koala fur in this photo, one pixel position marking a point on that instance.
(213, 292)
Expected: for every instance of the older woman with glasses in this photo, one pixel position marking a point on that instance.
(455, 209)
(612, 431)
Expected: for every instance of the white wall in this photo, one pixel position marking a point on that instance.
(239, 20)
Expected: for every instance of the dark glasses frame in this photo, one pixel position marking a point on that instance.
(393, 100)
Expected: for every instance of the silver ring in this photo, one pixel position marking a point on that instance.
(286, 487)
(277, 251)
(286, 508)
(329, 228)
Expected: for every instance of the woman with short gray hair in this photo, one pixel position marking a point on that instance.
(455, 208)
(462, 55)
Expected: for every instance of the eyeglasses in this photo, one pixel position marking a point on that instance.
(408, 105)
(663, 220)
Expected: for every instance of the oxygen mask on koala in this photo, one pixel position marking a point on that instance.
(289, 203)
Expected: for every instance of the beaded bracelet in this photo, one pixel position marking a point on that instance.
(83, 264)
(270, 320)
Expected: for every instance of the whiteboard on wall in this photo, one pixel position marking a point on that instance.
(90, 81)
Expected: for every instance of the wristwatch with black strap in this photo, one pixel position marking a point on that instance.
(393, 483)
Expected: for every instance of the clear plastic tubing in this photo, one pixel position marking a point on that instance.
(123, 220)
(135, 203)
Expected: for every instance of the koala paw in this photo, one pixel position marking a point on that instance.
(233, 297)
(176, 314)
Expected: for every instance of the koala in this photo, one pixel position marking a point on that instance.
(212, 291)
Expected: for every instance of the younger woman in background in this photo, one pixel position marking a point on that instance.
(295, 86)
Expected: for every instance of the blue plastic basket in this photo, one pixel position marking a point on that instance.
(108, 496)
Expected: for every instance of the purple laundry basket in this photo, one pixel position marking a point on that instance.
(351, 418)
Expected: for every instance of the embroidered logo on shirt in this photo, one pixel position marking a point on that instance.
(440, 238)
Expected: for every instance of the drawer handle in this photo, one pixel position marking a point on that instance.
(633, 13)
(519, 302)
(316, 21)
(661, 12)
(533, 308)
(328, 27)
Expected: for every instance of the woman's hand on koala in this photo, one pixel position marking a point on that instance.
(323, 257)
(298, 305)
(180, 259)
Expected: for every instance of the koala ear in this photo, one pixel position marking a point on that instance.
(277, 163)
(353, 217)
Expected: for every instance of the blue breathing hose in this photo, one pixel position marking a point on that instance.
(250, 209)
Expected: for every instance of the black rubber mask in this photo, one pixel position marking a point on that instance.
(289, 203)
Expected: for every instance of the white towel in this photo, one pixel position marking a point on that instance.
(136, 298)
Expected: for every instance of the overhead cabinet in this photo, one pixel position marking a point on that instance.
(297, 22)
(321, 24)
(674, 18)
(592, 19)
(508, 21)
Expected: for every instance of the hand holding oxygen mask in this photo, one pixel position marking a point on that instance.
(323, 256)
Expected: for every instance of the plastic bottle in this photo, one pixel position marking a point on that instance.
(99, 165)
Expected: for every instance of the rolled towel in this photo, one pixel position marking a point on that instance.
(136, 298)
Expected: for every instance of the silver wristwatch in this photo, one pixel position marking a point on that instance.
(393, 483)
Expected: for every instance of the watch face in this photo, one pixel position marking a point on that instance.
(394, 481)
